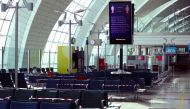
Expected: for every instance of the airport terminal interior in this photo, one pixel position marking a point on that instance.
(103, 54)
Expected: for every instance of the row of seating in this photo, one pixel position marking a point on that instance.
(112, 85)
(73, 98)
(35, 105)
(8, 79)
(23, 70)
(106, 73)
(109, 85)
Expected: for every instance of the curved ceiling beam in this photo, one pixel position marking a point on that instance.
(144, 7)
(187, 29)
(174, 23)
(175, 13)
(170, 18)
(139, 4)
(179, 21)
(181, 26)
(43, 22)
(152, 15)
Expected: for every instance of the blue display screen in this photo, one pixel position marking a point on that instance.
(189, 48)
(121, 22)
(170, 50)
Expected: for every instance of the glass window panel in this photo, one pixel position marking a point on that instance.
(61, 33)
(4, 1)
(51, 36)
(48, 46)
(66, 29)
(69, 15)
(80, 14)
(87, 3)
(62, 38)
(57, 37)
(73, 29)
(61, 27)
(2, 41)
(45, 58)
(95, 49)
(52, 56)
(72, 19)
(55, 67)
(54, 47)
(14, 2)
(2, 15)
(1, 23)
(5, 28)
(10, 14)
(77, 8)
(71, 6)
(44, 65)
(55, 58)
(66, 39)
(83, 1)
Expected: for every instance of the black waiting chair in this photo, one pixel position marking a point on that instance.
(52, 83)
(23, 95)
(4, 104)
(69, 94)
(23, 70)
(6, 81)
(38, 70)
(47, 69)
(93, 99)
(3, 71)
(45, 95)
(6, 94)
(51, 69)
(24, 105)
(58, 105)
(66, 84)
(81, 84)
(11, 70)
(30, 70)
(111, 85)
(21, 80)
(43, 70)
(95, 84)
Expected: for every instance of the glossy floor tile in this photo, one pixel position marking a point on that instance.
(174, 93)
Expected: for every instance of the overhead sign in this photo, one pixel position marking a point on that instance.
(189, 48)
(170, 50)
(121, 22)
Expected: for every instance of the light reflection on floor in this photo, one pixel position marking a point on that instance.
(131, 105)
(174, 94)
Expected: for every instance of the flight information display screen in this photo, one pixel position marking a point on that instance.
(170, 50)
(189, 48)
(121, 22)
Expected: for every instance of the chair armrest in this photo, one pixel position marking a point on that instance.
(77, 102)
(8, 98)
(102, 103)
(86, 86)
(110, 99)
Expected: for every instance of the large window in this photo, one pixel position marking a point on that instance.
(60, 35)
(5, 21)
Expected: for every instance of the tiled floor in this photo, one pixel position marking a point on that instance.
(172, 94)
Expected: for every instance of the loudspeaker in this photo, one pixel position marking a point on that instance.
(30, 6)
(4, 7)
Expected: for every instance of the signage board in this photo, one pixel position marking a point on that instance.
(121, 22)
